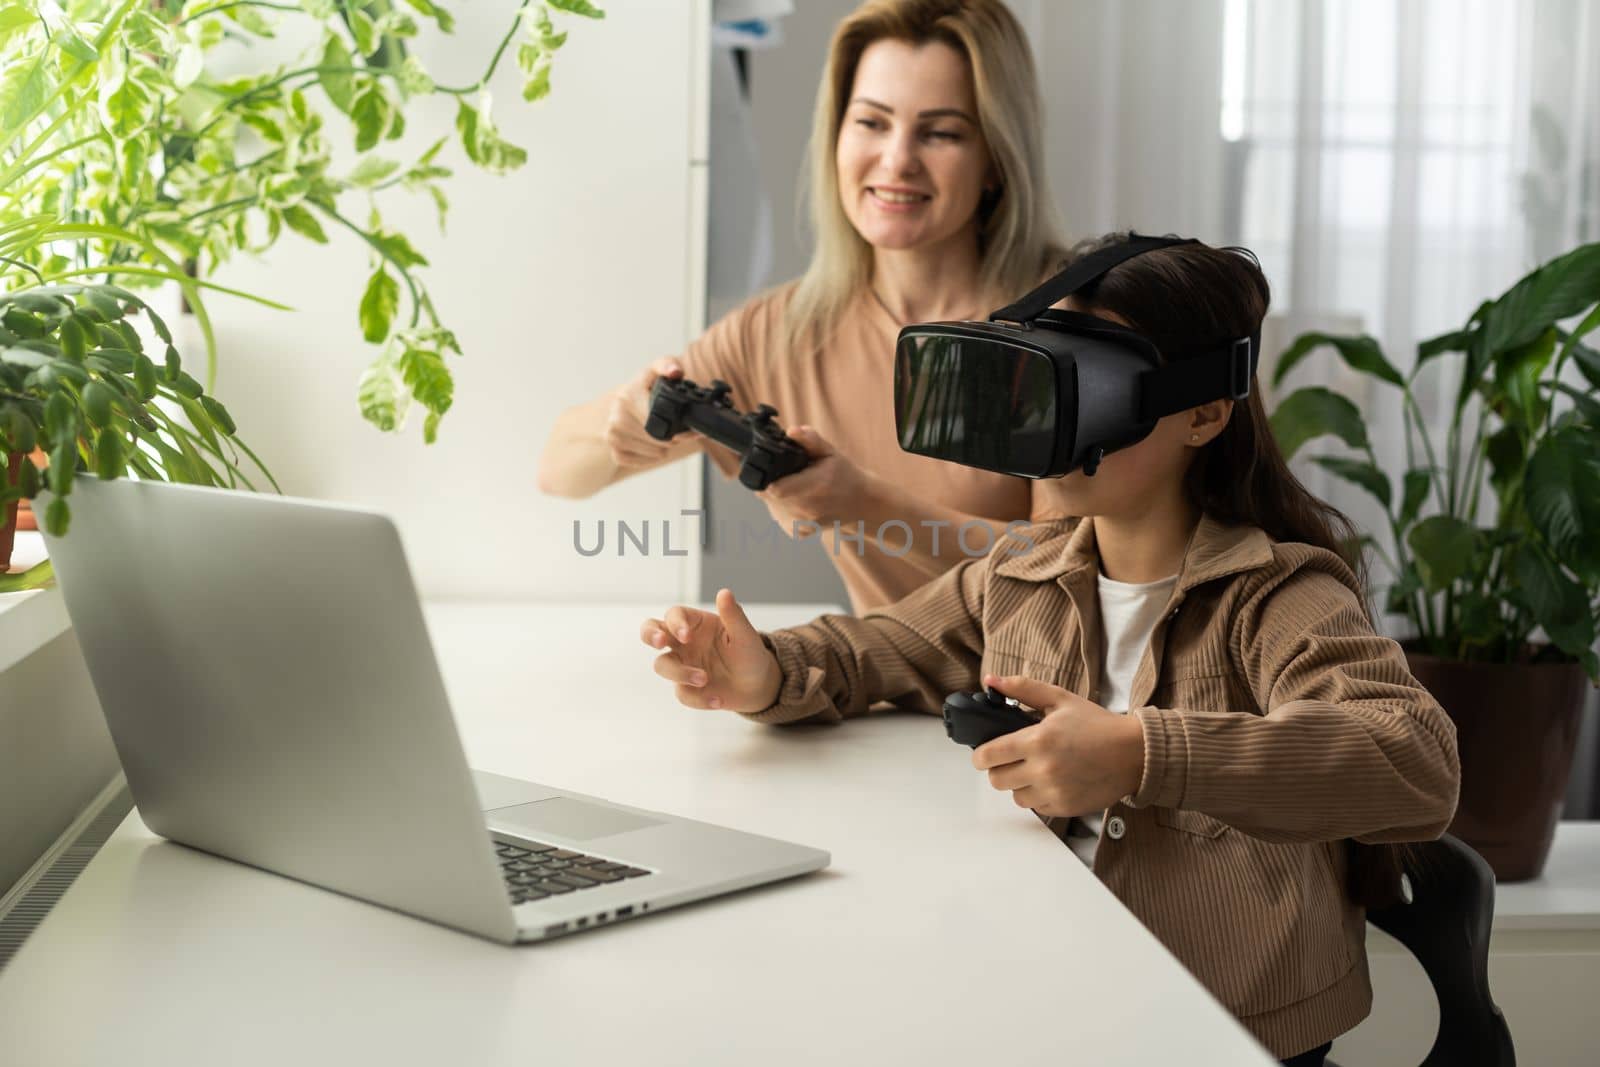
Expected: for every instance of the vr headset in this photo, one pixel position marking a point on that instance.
(1041, 393)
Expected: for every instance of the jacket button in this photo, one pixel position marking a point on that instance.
(1115, 828)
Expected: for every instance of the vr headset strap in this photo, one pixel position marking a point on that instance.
(1079, 273)
(1199, 379)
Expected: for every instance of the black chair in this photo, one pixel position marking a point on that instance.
(1444, 921)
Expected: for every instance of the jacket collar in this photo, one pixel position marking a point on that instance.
(1064, 549)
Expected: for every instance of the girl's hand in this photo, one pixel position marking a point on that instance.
(632, 448)
(830, 488)
(1081, 758)
(717, 660)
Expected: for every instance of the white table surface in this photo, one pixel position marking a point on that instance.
(951, 928)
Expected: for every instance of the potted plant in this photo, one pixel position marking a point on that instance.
(75, 381)
(1494, 538)
(126, 161)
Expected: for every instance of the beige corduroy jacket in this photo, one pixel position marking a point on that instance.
(1277, 725)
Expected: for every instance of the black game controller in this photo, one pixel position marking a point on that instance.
(972, 719)
(677, 404)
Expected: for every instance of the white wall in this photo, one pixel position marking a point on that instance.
(561, 280)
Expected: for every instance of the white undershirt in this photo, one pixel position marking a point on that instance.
(1128, 615)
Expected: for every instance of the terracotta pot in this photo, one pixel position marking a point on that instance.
(8, 520)
(1516, 729)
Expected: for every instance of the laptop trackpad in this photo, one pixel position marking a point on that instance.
(569, 818)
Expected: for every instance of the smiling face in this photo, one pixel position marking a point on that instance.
(912, 161)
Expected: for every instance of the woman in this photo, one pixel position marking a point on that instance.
(928, 202)
(1215, 701)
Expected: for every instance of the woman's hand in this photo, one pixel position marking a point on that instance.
(1080, 759)
(631, 448)
(831, 488)
(717, 660)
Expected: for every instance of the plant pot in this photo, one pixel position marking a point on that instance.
(8, 516)
(1516, 730)
(26, 518)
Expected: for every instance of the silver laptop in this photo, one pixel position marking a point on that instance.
(267, 678)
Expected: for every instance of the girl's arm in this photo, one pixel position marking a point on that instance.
(912, 653)
(1350, 744)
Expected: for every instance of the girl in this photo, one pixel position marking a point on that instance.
(927, 195)
(1220, 723)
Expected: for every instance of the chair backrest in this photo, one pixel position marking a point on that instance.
(1445, 922)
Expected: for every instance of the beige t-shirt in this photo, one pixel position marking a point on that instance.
(842, 384)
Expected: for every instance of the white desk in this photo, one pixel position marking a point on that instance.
(951, 928)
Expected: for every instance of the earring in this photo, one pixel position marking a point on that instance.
(1194, 437)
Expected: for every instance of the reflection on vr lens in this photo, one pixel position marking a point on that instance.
(974, 402)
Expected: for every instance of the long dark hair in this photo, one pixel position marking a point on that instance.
(1191, 297)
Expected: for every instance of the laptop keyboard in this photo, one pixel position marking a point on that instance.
(534, 871)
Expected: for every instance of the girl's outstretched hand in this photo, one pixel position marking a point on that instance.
(1080, 759)
(715, 659)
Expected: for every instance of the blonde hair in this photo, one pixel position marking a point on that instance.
(1018, 236)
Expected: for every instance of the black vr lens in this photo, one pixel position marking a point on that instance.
(1040, 393)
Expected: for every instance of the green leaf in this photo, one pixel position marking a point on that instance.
(1584, 403)
(63, 466)
(303, 222)
(74, 342)
(1361, 473)
(335, 76)
(97, 402)
(429, 9)
(425, 374)
(398, 249)
(538, 86)
(467, 126)
(1573, 340)
(186, 387)
(1515, 394)
(1559, 289)
(379, 395)
(483, 144)
(144, 376)
(430, 428)
(1562, 494)
(362, 28)
(17, 428)
(77, 47)
(108, 454)
(1478, 618)
(1507, 451)
(1312, 412)
(378, 305)
(1443, 547)
(15, 17)
(549, 39)
(413, 79)
(188, 65)
(219, 414)
(60, 418)
(528, 55)
(29, 96)
(1556, 601)
(1417, 482)
(126, 105)
(371, 112)
(372, 170)
(58, 515)
(1362, 353)
(577, 7)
